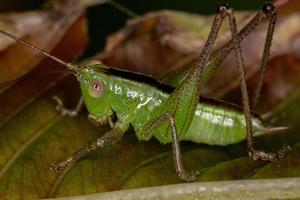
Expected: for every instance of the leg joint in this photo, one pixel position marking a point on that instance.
(224, 10)
(269, 9)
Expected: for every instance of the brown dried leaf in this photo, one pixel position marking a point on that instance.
(284, 42)
(27, 89)
(288, 6)
(43, 28)
(159, 42)
(167, 41)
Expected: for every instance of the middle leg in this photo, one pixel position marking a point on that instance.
(109, 138)
(180, 170)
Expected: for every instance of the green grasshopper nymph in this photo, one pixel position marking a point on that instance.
(177, 115)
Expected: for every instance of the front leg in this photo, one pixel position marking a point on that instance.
(68, 112)
(108, 138)
(102, 120)
(182, 173)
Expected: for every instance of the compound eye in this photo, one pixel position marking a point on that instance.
(96, 88)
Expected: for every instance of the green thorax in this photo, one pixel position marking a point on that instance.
(130, 100)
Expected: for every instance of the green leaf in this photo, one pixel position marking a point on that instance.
(239, 168)
(161, 170)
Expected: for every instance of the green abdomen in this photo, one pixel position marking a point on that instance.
(215, 125)
(211, 124)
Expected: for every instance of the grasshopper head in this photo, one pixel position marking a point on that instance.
(94, 84)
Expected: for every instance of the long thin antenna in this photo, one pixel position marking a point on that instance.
(68, 65)
(122, 8)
